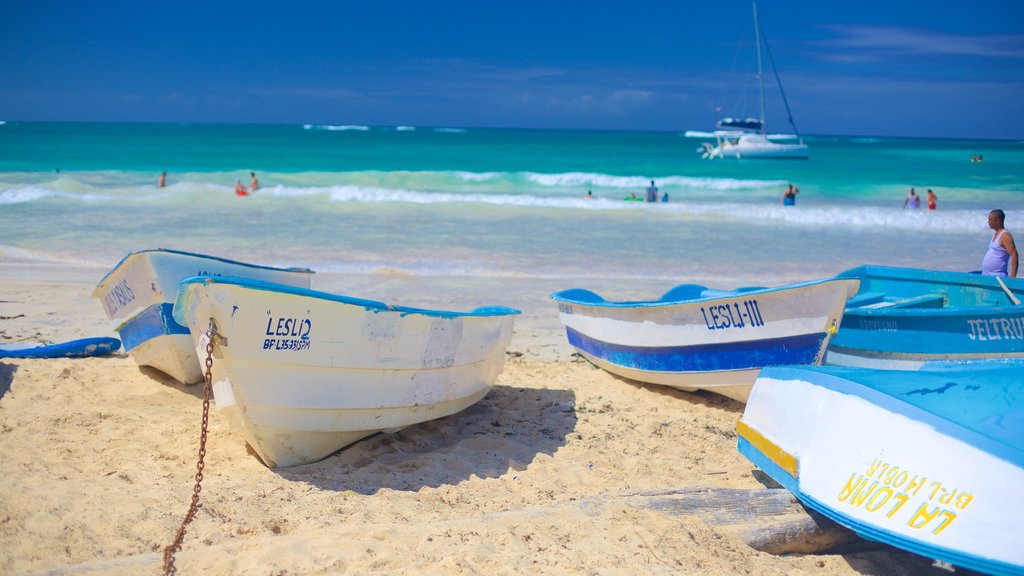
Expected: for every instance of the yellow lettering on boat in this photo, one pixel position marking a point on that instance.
(916, 484)
(874, 466)
(901, 499)
(923, 516)
(852, 487)
(947, 518)
(862, 495)
(874, 503)
(964, 500)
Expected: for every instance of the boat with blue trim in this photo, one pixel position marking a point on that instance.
(301, 374)
(138, 295)
(694, 337)
(903, 317)
(930, 461)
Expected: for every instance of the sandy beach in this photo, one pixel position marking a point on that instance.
(99, 456)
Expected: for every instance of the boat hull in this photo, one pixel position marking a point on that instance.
(715, 342)
(928, 461)
(138, 295)
(301, 374)
(902, 318)
(754, 146)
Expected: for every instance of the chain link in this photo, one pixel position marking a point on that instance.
(175, 546)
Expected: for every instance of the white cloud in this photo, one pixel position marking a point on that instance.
(927, 42)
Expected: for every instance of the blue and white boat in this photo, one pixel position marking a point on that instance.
(302, 374)
(931, 461)
(903, 317)
(697, 338)
(138, 295)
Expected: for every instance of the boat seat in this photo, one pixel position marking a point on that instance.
(712, 293)
(683, 292)
(922, 301)
(865, 299)
(581, 295)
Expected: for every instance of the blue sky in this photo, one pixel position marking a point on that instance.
(933, 68)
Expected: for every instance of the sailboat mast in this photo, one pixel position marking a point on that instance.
(760, 75)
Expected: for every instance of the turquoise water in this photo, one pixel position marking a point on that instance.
(495, 203)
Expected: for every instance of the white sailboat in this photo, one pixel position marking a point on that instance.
(745, 137)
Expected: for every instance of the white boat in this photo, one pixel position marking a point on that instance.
(931, 461)
(746, 137)
(695, 338)
(732, 144)
(302, 374)
(138, 294)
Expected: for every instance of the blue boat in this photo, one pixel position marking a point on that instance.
(698, 338)
(903, 317)
(81, 348)
(931, 461)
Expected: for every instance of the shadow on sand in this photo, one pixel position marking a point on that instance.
(6, 377)
(504, 431)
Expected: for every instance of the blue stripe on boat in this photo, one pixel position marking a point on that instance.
(765, 463)
(801, 349)
(157, 320)
(955, 557)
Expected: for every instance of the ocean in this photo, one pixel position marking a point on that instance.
(486, 214)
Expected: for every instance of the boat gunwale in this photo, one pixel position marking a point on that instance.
(139, 253)
(724, 295)
(371, 305)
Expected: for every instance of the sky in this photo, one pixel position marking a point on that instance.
(918, 68)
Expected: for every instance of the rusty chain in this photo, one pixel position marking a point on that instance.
(175, 546)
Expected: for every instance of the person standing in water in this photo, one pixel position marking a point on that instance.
(1001, 257)
(163, 180)
(254, 184)
(789, 196)
(912, 200)
(933, 200)
(652, 193)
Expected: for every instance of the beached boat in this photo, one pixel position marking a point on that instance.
(138, 294)
(301, 374)
(931, 461)
(695, 338)
(903, 317)
(747, 137)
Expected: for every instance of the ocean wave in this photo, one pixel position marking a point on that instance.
(476, 176)
(336, 127)
(35, 194)
(744, 202)
(404, 128)
(641, 182)
(451, 130)
(35, 257)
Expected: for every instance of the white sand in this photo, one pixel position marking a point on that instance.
(98, 456)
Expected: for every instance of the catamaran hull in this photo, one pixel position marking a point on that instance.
(715, 344)
(774, 151)
(300, 374)
(928, 461)
(138, 294)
